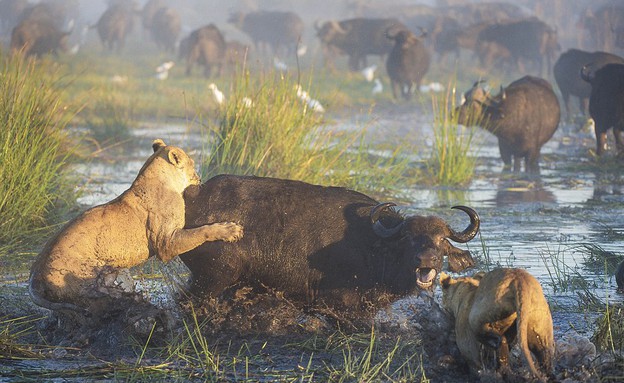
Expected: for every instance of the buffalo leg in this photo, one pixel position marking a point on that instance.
(601, 140)
(505, 153)
(619, 144)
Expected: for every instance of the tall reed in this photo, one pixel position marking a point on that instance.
(34, 147)
(451, 162)
(265, 129)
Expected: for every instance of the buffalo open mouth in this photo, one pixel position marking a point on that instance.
(425, 277)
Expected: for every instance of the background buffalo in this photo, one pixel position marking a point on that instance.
(523, 116)
(407, 63)
(271, 31)
(606, 104)
(357, 38)
(567, 72)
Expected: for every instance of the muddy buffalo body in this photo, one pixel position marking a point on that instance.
(523, 116)
(606, 104)
(567, 71)
(324, 246)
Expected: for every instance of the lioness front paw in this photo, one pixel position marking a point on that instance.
(226, 231)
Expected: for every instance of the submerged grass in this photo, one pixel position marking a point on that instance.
(276, 134)
(34, 145)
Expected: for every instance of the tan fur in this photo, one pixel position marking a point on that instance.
(146, 220)
(486, 308)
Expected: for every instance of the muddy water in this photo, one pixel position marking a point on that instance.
(544, 224)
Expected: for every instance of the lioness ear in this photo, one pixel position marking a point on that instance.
(157, 144)
(176, 157)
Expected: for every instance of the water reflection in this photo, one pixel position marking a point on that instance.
(523, 192)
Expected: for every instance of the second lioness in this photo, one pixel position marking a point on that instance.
(83, 269)
(494, 308)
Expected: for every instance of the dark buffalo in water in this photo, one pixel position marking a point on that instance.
(357, 38)
(606, 104)
(407, 63)
(271, 31)
(318, 245)
(528, 41)
(567, 71)
(523, 116)
(114, 25)
(165, 28)
(206, 47)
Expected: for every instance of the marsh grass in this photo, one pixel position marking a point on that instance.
(279, 136)
(35, 148)
(452, 162)
(609, 334)
(564, 274)
(111, 118)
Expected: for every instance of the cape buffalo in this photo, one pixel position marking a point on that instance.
(204, 46)
(528, 40)
(114, 25)
(281, 31)
(319, 245)
(407, 63)
(165, 28)
(523, 116)
(38, 37)
(567, 70)
(606, 104)
(357, 38)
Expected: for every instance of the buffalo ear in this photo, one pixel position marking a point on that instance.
(157, 144)
(460, 261)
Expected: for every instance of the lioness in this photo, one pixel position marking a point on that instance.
(84, 267)
(493, 308)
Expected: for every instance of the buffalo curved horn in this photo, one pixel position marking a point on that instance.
(378, 227)
(471, 231)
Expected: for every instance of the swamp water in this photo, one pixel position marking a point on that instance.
(551, 225)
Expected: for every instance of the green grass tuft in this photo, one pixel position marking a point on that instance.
(451, 163)
(280, 136)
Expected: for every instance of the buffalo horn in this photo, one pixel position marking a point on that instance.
(472, 229)
(378, 227)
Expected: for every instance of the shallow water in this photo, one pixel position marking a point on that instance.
(544, 224)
